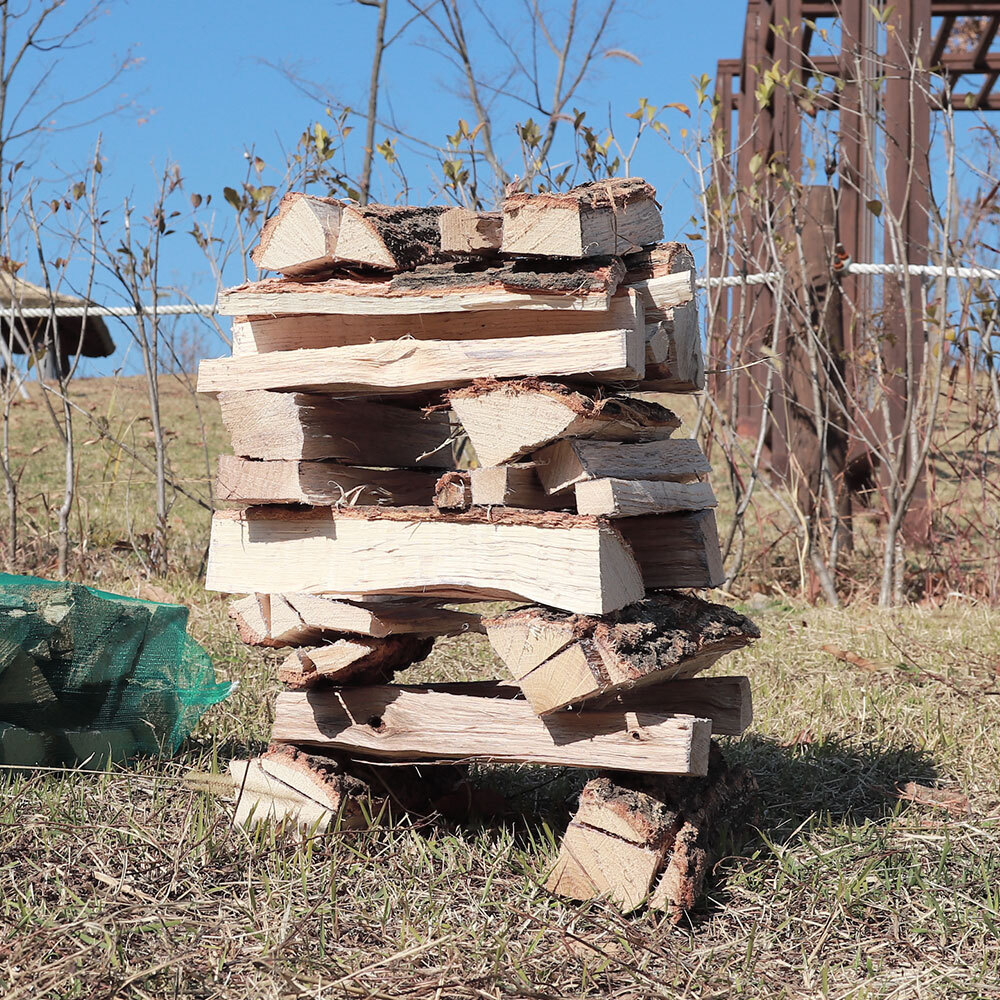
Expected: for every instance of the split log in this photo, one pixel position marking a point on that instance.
(307, 790)
(565, 560)
(323, 484)
(263, 334)
(632, 497)
(294, 426)
(616, 216)
(675, 551)
(353, 661)
(309, 235)
(615, 845)
(644, 838)
(560, 659)
(467, 232)
(437, 288)
(515, 485)
(278, 620)
(453, 491)
(568, 462)
(414, 365)
(505, 420)
(412, 723)
(664, 276)
(675, 361)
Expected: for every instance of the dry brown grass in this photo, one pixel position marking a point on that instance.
(127, 884)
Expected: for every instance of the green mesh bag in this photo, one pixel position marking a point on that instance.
(87, 676)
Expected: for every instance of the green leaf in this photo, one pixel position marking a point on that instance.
(232, 196)
(874, 206)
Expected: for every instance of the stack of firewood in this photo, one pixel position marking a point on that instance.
(394, 337)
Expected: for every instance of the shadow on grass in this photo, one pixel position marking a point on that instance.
(840, 779)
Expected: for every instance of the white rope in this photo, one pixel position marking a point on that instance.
(186, 309)
(729, 281)
(917, 270)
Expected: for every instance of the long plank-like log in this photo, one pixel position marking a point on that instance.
(408, 723)
(564, 560)
(262, 334)
(278, 620)
(292, 425)
(561, 659)
(505, 420)
(615, 216)
(633, 497)
(437, 288)
(322, 484)
(309, 234)
(412, 365)
(567, 462)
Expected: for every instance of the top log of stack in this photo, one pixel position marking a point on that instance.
(536, 331)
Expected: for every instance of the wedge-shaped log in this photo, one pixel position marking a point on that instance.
(309, 234)
(505, 420)
(413, 723)
(615, 845)
(651, 839)
(616, 216)
(322, 484)
(632, 497)
(413, 365)
(465, 231)
(515, 485)
(278, 620)
(561, 659)
(565, 463)
(262, 334)
(355, 660)
(293, 425)
(564, 560)
(288, 785)
(437, 288)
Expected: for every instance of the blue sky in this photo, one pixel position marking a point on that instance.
(202, 92)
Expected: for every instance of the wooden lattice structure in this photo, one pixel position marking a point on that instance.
(927, 54)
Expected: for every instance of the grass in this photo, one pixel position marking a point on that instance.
(127, 884)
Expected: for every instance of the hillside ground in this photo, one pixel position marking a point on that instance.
(126, 883)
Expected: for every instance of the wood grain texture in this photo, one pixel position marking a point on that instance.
(410, 365)
(355, 660)
(467, 232)
(408, 723)
(633, 497)
(676, 551)
(279, 620)
(262, 334)
(515, 485)
(602, 217)
(559, 659)
(563, 560)
(505, 420)
(322, 484)
(292, 426)
(436, 288)
(567, 462)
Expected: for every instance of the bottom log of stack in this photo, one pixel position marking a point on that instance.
(639, 838)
